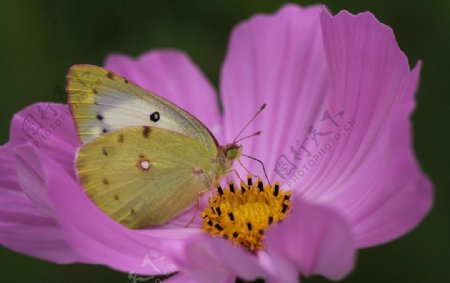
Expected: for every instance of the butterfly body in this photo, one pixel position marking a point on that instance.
(143, 160)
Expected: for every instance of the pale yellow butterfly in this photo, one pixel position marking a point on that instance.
(143, 160)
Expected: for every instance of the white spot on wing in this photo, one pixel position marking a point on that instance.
(144, 164)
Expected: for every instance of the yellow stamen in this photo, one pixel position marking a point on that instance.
(244, 214)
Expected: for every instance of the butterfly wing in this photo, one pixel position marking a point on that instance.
(102, 101)
(143, 176)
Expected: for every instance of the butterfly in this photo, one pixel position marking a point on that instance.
(142, 160)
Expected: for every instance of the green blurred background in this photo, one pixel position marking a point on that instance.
(39, 40)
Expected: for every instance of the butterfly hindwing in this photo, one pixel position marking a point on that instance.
(142, 176)
(102, 101)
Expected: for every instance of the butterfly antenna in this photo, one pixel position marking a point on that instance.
(252, 135)
(262, 164)
(249, 122)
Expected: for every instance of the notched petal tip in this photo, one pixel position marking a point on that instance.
(363, 18)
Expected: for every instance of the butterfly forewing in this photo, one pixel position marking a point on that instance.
(102, 101)
(143, 176)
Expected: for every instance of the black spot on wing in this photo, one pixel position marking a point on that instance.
(154, 117)
(99, 117)
(121, 138)
(110, 75)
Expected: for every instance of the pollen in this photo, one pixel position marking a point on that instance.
(243, 215)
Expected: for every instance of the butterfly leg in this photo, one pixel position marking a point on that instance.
(248, 171)
(239, 176)
(197, 206)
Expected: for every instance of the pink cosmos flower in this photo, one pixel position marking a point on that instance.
(336, 131)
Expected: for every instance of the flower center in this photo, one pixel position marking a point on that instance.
(243, 215)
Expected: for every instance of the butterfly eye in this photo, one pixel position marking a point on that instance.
(154, 117)
(232, 153)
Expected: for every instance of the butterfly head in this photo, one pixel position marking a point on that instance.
(227, 155)
(233, 152)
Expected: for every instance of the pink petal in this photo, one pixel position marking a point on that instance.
(8, 175)
(26, 225)
(203, 258)
(26, 218)
(279, 60)
(172, 75)
(25, 229)
(371, 174)
(312, 240)
(31, 174)
(49, 126)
